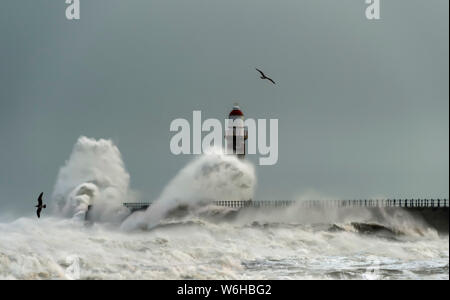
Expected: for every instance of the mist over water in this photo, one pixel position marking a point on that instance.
(184, 236)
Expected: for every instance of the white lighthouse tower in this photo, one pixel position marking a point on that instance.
(235, 132)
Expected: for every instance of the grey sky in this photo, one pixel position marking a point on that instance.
(362, 106)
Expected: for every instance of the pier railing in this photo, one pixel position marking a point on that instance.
(432, 203)
(340, 203)
(406, 203)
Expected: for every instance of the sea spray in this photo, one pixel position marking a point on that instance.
(94, 175)
(210, 177)
(46, 248)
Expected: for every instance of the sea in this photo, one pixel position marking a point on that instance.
(221, 243)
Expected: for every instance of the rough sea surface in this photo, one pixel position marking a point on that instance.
(217, 243)
(86, 232)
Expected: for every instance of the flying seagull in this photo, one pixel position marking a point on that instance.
(263, 76)
(40, 206)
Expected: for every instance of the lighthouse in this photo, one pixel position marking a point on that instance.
(235, 132)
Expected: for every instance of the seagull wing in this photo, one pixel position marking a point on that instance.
(270, 79)
(38, 212)
(40, 199)
(262, 74)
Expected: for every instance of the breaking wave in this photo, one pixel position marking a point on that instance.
(200, 247)
(183, 235)
(93, 174)
(94, 180)
(213, 176)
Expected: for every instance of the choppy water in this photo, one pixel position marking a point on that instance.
(264, 245)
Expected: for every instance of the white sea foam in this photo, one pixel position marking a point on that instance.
(208, 242)
(210, 177)
(52, 248)
(93, 175)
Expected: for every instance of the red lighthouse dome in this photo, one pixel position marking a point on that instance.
(236, 112)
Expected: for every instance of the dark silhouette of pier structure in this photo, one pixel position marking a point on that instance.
(434, 212)
(404, 203)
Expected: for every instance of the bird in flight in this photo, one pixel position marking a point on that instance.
(40, 206)
(263, 76)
